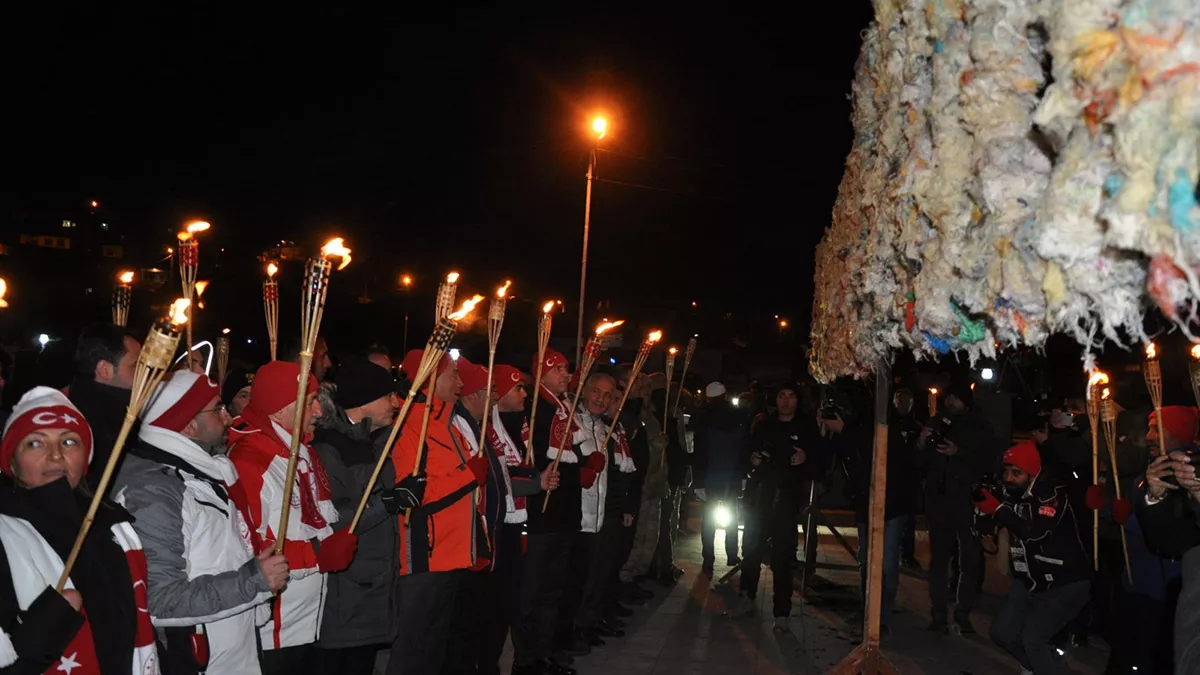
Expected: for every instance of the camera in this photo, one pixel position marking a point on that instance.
(988, 483)
(984, 526)
(939, 429)
(1193, 459)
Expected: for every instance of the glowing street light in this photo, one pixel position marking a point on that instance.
(600, 127)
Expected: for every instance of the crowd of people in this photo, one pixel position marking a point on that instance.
(469, 538)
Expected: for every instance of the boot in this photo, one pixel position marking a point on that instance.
(962, 623)
(938, 624)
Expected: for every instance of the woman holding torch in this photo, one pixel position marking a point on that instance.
(97, 623)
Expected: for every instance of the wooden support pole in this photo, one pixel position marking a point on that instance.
(867, 657)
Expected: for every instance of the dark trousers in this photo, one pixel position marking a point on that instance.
(949, 536)
(425, 607)
(1027, 621)
(664, 555)
(582, 546)
(502, 602)
(468, 623)
(908, 540)
(603, 558)
(547, 564)
(298, 660)
(1148, 636)
(708, 532)
(780, 528)
(347, 660)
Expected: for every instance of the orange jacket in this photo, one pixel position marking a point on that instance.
(446, 532)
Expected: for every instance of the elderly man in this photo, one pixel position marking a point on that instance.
(205, 582)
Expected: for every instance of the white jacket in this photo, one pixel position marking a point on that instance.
(202, 568)
(591, 433)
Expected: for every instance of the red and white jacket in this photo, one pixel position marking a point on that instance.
(259, 450)
(34, 566)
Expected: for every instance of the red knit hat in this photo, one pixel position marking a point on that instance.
(412, 363)
(1180, 421)
(275, 386)
(41, 408)
(505, 378)
(474, 378)
(180, 398)
(553, 359)
(1025, 456)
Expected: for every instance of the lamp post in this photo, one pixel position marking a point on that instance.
(406, 281)
(600, 129)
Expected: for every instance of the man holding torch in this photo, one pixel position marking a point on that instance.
(260, 448)
(552, 531)
(442, 534)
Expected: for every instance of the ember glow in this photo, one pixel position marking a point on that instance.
(607, 326)
(467, 308)
(272, 270)
(178, 313)
(335, 248)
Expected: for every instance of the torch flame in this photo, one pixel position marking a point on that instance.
(225, 331)
(550, 305)
(1104, 394)
(467, 307)
(200, 286)
(1151, 352)
(335, 248)
(605, 327)
(125, 277)
(272, 270)
(179, 311)
(3, 290)
(503, 290)
(192, 229)
(654, 337)
(1196, 352)
(933, 390)
(1097, 378)
(452, 278)
(673, 351)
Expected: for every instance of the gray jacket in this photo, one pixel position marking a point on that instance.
(360, 601)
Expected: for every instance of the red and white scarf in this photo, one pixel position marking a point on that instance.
(558, 430)
(508, 451)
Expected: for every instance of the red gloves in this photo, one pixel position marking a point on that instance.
(481, 564)
(596, 461)
(1122, 509)
(988, 504)
(337, 551)
(587, 477)
(1095, 498)
(479, 466)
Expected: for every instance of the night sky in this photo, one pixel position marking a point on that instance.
(456, 140)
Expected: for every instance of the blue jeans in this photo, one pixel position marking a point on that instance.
(893, 533)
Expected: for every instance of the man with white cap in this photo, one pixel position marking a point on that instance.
(722, 444)
(206, 585)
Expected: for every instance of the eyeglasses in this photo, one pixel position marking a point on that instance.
(218, 409)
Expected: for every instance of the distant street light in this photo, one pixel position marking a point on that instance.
(406, 281)
(600, 129)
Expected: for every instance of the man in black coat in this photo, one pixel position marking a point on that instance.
(105, 364)
(722, 441)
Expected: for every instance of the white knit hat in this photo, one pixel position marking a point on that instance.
(41, 408)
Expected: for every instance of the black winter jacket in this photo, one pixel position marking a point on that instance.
(1046, 548)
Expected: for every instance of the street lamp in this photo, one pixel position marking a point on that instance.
(599, 130)
(406, 281)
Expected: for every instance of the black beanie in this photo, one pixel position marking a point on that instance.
(236, 378)
(962, 389)
(359, 382)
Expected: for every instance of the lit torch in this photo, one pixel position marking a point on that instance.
(1153, 374)
(543, 341)
(670, 371)
(1108, 415)
(271, 306)
(687, 362)
(638, 361)
(445, 296)
(435, 349)
(933, 394)
(3, 292)
(122, 294)
(595, 345)
(316, 285)
(1094, 394)
(222, 356)
(189, 264)
(1194, 372)
(152, 364)
(495, 324)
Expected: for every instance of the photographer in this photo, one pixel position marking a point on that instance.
(787, 451)
(957, 449)
(722, 439)
(1051, 573)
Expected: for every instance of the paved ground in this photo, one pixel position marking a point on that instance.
(683, 631)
